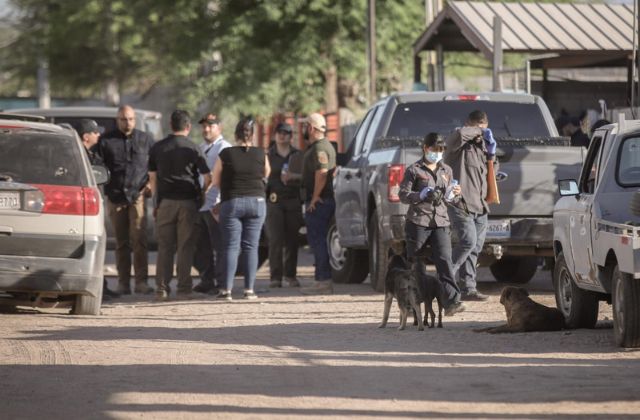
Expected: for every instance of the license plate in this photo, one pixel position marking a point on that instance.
(499, 229)
(9, 200)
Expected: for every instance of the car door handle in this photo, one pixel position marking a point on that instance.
(6, 230)
(347, 176)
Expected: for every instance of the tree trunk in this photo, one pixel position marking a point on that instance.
(112, 92)
(331, 88)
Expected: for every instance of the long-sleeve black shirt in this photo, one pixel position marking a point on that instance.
(127, 159)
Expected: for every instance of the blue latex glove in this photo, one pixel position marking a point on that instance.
(489, 141)
(424, 192)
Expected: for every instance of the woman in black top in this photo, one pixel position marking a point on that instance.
(240, 172)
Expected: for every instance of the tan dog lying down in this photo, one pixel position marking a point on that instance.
(524, 315)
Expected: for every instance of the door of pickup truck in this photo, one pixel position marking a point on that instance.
(582, 220)
(351, 194)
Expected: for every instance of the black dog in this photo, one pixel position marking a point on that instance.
(400, 283)
(430, 288)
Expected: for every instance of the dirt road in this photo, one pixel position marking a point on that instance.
(289, 356)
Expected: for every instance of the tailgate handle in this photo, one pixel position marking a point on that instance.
(6, 230)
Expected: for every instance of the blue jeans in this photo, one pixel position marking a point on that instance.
(241, 221)
(440, 241)
(317, 223)
(470, 231)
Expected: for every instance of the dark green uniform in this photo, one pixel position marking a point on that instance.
(319, 155)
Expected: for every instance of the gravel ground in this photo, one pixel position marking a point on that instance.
(290, 356)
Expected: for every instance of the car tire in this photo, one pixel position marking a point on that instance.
(378, 255)
(579, 307)
(514, 269)
(348, 265)
(88, 305)
(626, 309)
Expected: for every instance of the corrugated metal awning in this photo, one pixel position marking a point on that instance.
(603, 31)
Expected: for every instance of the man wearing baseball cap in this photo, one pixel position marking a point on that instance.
(317, 181)
(209, 245)
(89, 132)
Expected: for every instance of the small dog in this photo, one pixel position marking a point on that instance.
(525, 315)
(400, 283)
(430, 289)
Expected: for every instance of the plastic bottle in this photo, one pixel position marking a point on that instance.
(450, 195)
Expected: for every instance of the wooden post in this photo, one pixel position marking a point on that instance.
(372, 51)
(440, 65)
(497, 53)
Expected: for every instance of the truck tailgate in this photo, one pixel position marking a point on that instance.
(528, 177)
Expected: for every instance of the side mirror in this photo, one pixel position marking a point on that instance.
(568, 187)
(101, 174)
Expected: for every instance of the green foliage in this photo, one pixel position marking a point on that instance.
(89, 43)
(276, 55)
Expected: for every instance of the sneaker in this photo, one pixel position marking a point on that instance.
(474, 296)
(318, 288)
(204, 288)
(143, 289)
(250, 295)
(123, 290)
(224, 295)
(275, 284)
(110, 293)
(161, 296)
(292, 281)
(186, 295)
(454, 308)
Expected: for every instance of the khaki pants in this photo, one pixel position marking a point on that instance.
(175, 228)
(130, 226)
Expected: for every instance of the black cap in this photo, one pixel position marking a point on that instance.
(284, 127)
(89, 126)
(209, 119)
(433, 140)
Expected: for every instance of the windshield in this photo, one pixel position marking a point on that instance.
(506, 119)
(40, 158)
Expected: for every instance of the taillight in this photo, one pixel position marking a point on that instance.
(60, 199)
(91, 201)
(396, 173)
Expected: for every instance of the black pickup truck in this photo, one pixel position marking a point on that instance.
(369, 219)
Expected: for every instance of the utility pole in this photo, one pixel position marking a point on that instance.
(372, 50)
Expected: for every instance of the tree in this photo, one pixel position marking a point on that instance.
(95, 46)
(304, 55)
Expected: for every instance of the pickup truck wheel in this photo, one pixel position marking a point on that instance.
(514, 269)
(348, 265)
(579, 307)
(626, 309)
(378, 255)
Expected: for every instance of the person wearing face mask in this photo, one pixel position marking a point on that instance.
(427, 187)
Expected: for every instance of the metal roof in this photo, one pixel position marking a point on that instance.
(598, 29)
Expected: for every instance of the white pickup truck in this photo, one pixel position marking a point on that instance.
(596, 235)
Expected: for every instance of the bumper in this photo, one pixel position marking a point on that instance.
(528, 236)
(61, 276)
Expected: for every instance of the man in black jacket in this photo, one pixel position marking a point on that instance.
(125, 152)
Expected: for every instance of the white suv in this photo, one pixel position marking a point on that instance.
(52, 234)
